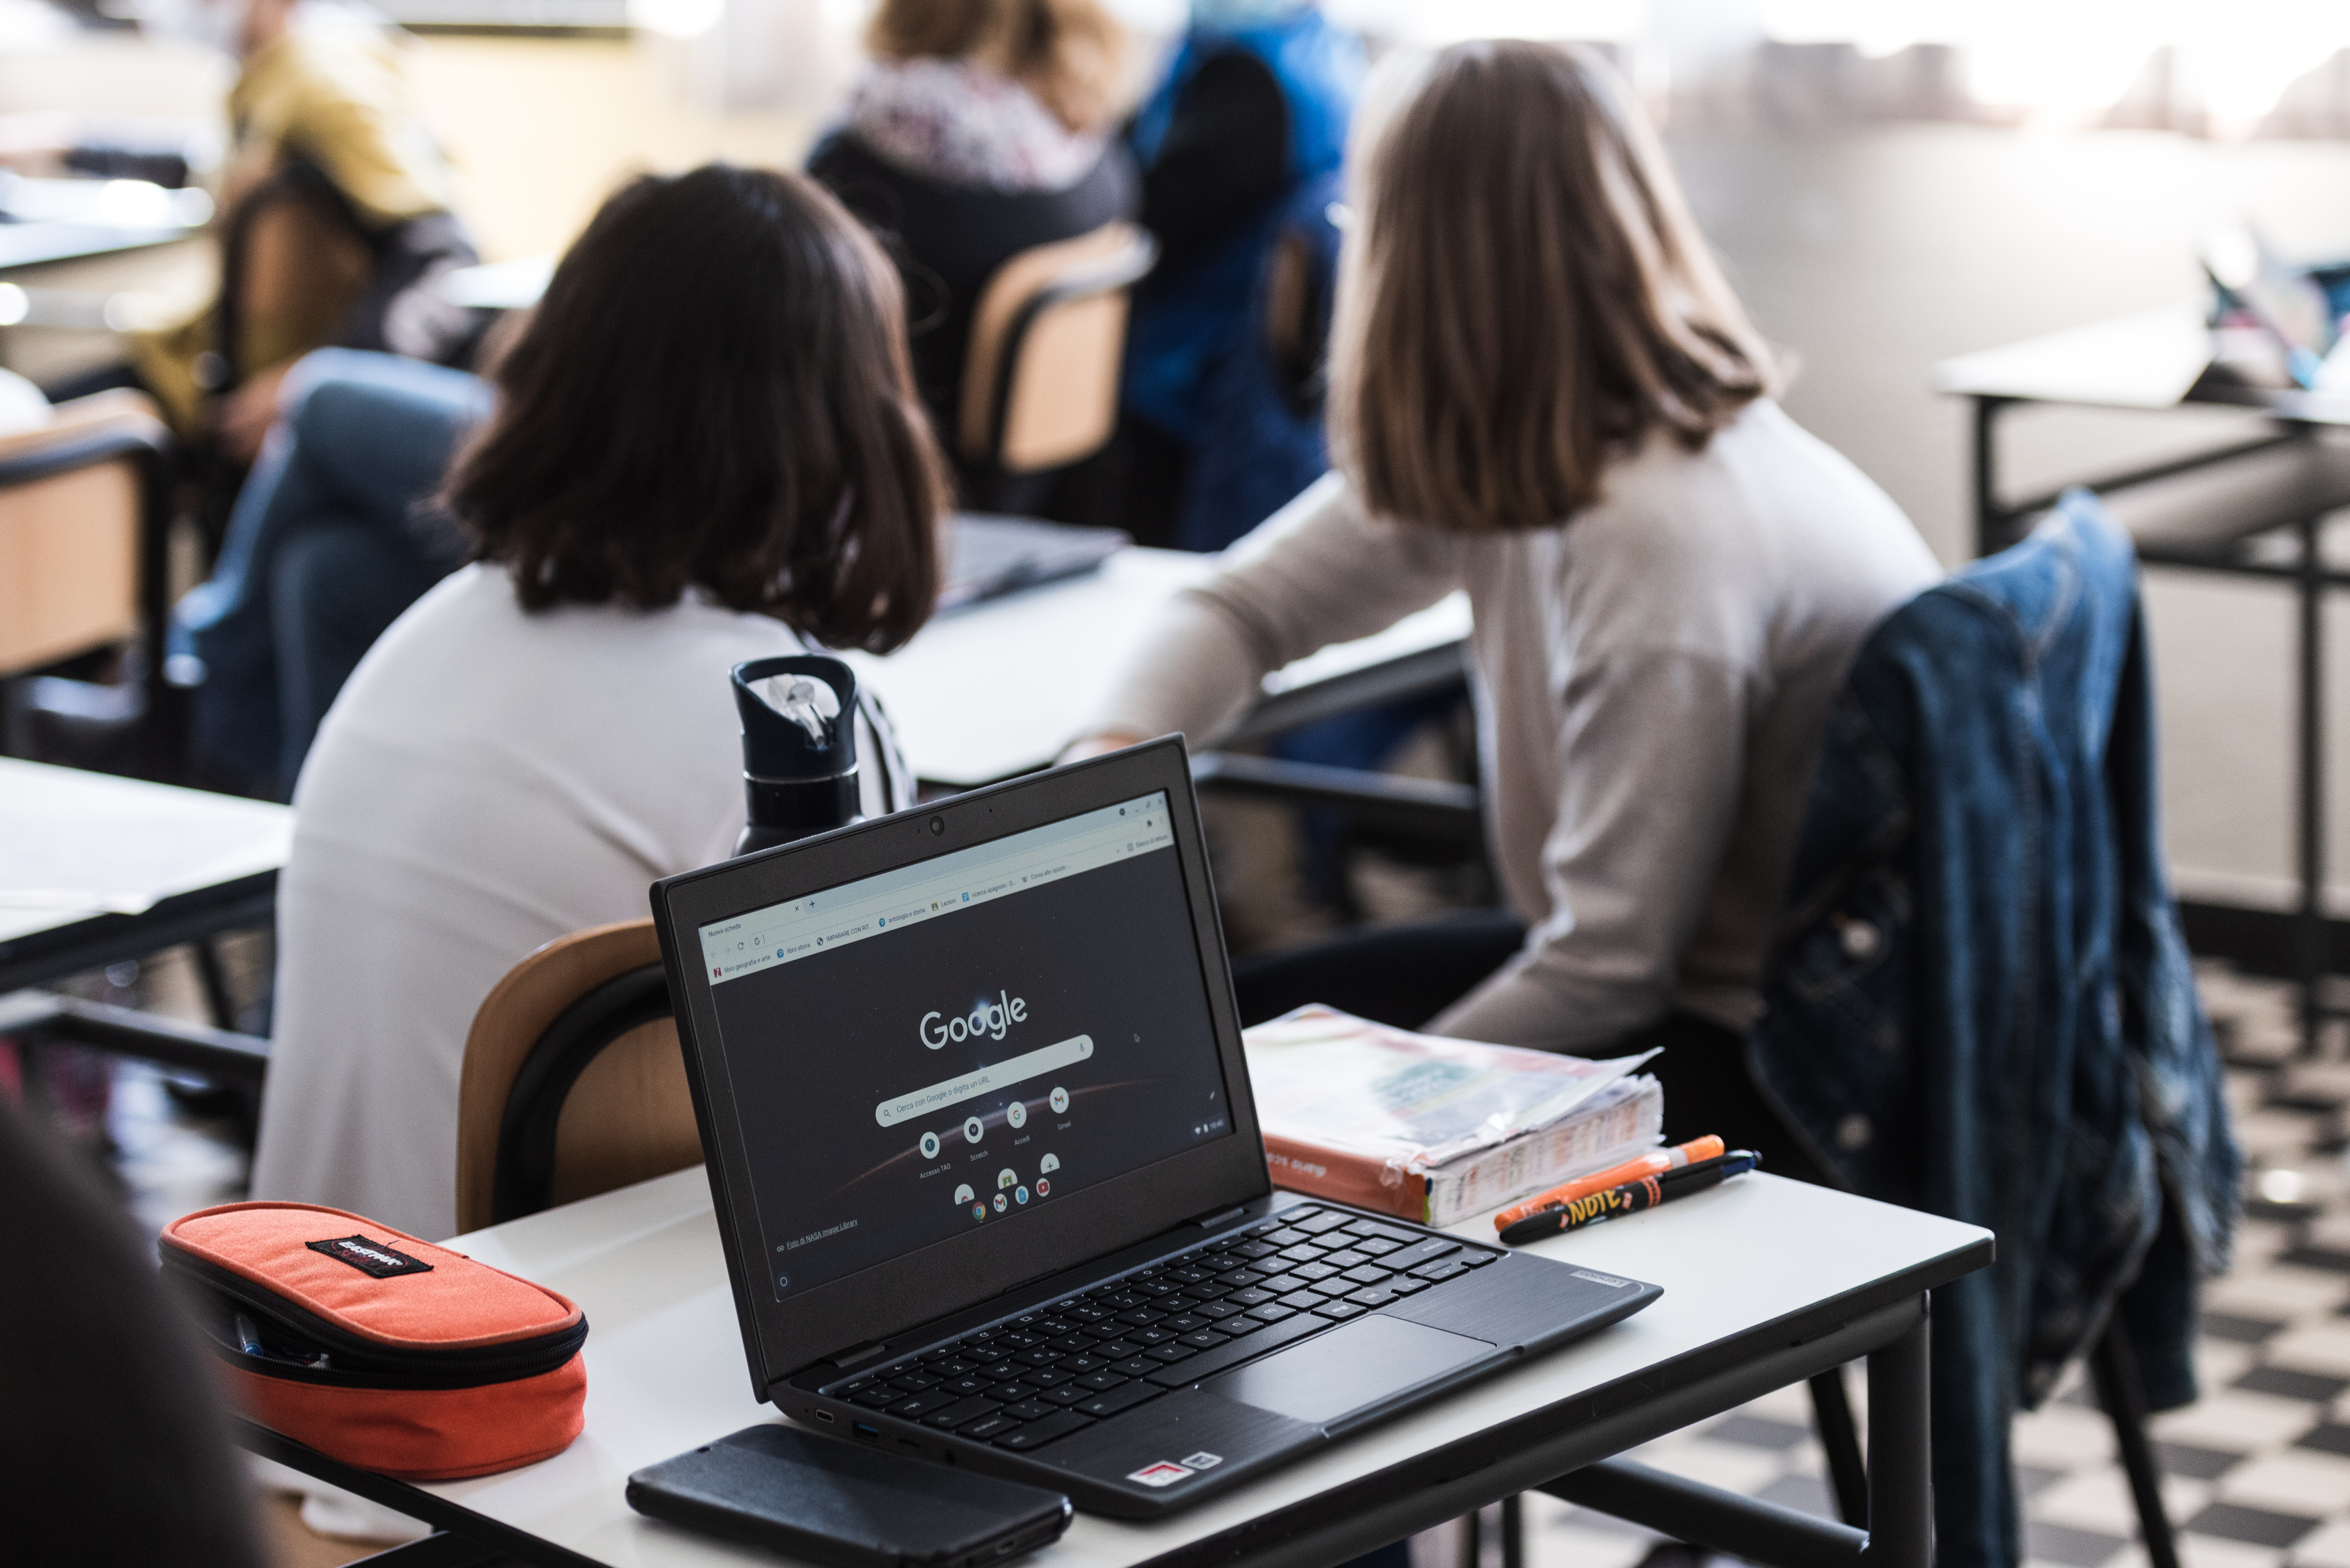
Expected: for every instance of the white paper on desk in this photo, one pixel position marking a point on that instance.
(79, 842)
(1324, 1076)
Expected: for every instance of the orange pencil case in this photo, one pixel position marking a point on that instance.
(377, 1348)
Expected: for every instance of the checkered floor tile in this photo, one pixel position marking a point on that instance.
(2256, 1473)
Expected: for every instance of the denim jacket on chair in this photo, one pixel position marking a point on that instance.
(1982, 1006)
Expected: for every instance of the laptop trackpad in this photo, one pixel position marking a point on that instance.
(1353, 1368)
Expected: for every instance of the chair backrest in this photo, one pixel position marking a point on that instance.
(1040, 381)
(1300, 281)
(294, 264)
(73, 495)
(573, 1081)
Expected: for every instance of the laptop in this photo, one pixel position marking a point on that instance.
(987, 1171)
(989, 556)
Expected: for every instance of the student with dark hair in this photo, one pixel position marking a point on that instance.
(706, 449)
(1542, 392)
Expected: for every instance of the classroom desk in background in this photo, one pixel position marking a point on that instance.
(96, 869)
(2152, 362)
(999, 688)
(1766, 1283)
(49, 242)
(2252, 508)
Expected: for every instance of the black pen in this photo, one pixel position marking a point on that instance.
(1632, 1196)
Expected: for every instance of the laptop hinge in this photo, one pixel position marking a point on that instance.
(1225, 1217)
(866, 1352)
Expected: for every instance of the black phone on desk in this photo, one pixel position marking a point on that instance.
(845, 1504)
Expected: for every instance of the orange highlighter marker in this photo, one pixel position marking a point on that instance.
(1707, 1148)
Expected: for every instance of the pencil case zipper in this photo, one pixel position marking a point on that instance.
(355, 1361)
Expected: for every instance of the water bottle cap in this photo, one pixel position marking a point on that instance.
(798, 717)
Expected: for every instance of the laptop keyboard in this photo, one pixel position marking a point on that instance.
(1038, 1378)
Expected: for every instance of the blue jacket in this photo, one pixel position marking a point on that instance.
(1983, 1006)
(1187, 318)
(1263, 441)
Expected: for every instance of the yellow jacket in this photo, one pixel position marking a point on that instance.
(335, 93)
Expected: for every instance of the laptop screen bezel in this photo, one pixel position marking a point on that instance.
(783, 1337)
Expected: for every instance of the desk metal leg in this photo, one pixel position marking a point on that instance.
(1900, 1532)
(1990, 522)
(2308, 926)
(1840, 1440)
(1900, 1454)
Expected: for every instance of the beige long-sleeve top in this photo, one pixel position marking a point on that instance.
(1652, 679)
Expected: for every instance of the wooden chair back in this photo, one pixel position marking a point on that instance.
(1040, 383)
(294, 266)
(74, 501)
(628, 1115)
(1292, 333)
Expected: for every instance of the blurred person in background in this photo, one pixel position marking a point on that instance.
(333, 221)
(981, 129)
(1244, 135)
(332, 536)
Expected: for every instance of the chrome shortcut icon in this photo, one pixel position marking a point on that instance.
(930, 1145)
(979, 1211)
(1058, 1099)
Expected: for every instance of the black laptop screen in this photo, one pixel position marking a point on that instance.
(945, 1046)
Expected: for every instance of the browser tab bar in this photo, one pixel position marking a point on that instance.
(786, 933)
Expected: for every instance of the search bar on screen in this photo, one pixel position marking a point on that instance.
(980, 1080)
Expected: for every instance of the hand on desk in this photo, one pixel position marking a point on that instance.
(1098, 745)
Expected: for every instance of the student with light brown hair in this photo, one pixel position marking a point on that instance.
(1542, 392)
(981, 129)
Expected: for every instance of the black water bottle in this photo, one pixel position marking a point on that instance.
(799, 747)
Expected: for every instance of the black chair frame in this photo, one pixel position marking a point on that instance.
(523, 1175)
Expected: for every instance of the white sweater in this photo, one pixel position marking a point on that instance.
(1652, 678)
(488, 781)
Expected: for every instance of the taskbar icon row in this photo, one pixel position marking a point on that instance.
(1009, 1195)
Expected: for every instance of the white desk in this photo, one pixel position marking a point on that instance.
(1766, 1281)
(95, 869)
(999, 688)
